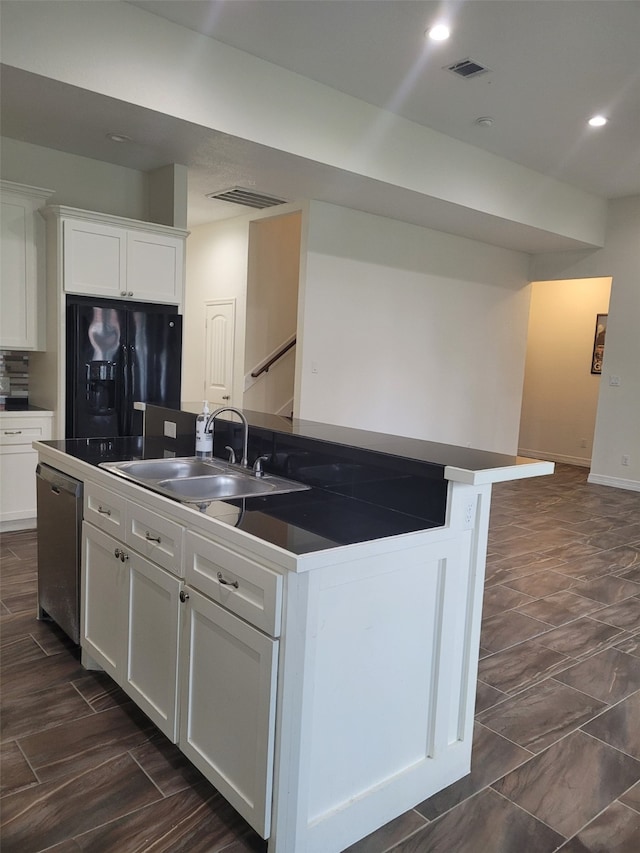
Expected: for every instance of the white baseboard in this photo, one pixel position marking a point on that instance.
(18, 524)
(582, 461)
(615, 482)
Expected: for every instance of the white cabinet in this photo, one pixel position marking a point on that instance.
(200, 660)
(108, 257)
(155, 265)
(228, 699)
(151, 661)
(130, 618)
(103, 607)
(18, 462)
(94, 258)
(22, 308)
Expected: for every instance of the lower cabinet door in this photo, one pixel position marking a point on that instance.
(227, 714)
(151, 674)
(103, 608)
(130, 618)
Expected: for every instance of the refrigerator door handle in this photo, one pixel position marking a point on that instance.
(123, 414)
(131, 388)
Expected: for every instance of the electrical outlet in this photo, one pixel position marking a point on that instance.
(614, 380)
(626, 459)
(468, 512)
(170, 429)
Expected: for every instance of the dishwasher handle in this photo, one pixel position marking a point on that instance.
(58, 481)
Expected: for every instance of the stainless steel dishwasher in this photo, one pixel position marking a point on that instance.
(59, 500)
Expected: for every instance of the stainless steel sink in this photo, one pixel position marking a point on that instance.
(220, 486)
(164, 469)
(199, 481)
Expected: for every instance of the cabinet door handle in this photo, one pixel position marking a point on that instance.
(13, 432)
(123, 293)
(223, 580)
(151, 538)
(184, 596)
(104, 511)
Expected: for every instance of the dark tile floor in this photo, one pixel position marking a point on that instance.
(556, 763)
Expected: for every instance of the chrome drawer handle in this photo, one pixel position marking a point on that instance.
(151, 538)
(226, 582)
(104, 511)
(13, 432)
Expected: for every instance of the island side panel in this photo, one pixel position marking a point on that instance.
(388, 682)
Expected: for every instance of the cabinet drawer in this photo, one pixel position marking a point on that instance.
(105, 509)
(21, 432)
(156, 538)
(246, 588)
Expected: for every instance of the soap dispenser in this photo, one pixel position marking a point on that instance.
(204, 438)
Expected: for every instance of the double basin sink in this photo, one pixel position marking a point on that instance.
(193, 480)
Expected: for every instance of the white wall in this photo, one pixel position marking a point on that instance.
(77, 181)
(560, 394)
(216, 269)
(618, 417)
(145, 60)
(411, 331)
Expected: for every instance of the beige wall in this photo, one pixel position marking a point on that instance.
(560, 394)
(272, 309)
(618, 418)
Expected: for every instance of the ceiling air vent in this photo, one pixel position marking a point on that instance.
(249, 198)
(467, 68)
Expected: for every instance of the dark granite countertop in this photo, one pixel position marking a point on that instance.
(300, 522)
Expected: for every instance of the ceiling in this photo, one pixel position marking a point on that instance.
(553, 64)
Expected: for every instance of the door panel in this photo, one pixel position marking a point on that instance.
(219, 352)
(96, 357)
(227, 725)
(155, 352)
(152, 642)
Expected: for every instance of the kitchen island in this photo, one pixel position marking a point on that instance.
(314, 654)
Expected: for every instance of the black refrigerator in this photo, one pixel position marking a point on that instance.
(119, 353)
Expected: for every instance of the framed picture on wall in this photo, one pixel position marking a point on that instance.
(598, 343)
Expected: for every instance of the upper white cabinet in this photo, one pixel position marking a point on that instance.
(23, 310)
(120, 258)
(94, 259)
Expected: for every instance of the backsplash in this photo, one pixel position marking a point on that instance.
(14, 379)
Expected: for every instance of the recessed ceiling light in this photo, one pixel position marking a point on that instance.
(439, 32)
(118, 137)
(597, 121)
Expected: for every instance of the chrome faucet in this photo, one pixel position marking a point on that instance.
(245, 439)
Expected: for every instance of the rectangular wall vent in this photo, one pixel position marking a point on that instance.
(467, 68)
(249, 198)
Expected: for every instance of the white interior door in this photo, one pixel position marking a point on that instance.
(219, 349)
